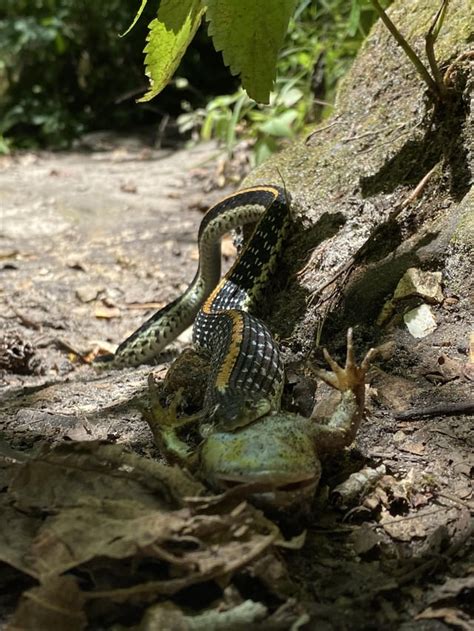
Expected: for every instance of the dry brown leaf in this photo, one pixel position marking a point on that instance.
(396, 496)
(449, 615)
(446, 369)
(413, 448)
(393, 391)
(61, 476)
(57, 604)
(403, 528)
(364, 539)
(104, 509)
(17, 531)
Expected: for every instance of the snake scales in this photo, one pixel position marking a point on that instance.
(246, 375)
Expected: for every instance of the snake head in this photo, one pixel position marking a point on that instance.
(238, 410)
(276, 452)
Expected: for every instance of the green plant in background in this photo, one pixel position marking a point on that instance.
(322, 40)
(64, 71)
(62, 68)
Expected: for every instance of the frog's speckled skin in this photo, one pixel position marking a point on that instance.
(281, 451)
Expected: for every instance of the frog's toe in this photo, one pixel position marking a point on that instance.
(352, 376)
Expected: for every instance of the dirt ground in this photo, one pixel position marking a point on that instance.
(91, 243)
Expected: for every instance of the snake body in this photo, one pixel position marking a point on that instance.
(246, 377)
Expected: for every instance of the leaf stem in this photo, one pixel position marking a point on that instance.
(431, 38)
(411, 54)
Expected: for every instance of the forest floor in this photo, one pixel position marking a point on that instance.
(91, 243)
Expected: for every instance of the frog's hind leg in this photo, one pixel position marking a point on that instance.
(342, 425)
(352, 376)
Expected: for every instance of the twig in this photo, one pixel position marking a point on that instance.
(411, 54)
(143, 305)
(442, 409)
(456, 500)
(386, 142)
(397, 520)
(430, 39)
(320, 129)
(418, 188)
(375, 132)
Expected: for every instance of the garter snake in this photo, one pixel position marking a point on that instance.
(246, 374)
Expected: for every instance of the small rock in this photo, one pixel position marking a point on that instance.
(87, 293)
(128, 187)
(416, 282)
(399, 436)
(420, 321)
(106, 313)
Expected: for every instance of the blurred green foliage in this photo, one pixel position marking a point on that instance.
(322, 41)
(64, 70)
(58, 66)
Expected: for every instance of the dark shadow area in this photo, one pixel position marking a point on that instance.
(67, 72)
(442, 140)
(298, 252)
(366, 294)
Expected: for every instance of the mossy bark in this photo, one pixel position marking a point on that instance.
(348, 175)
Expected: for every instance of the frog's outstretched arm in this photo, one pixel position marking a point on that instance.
(164, 423)
(340, 429)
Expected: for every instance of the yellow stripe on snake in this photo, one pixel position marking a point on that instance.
(247, 374)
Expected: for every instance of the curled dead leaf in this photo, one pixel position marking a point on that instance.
(356, 485)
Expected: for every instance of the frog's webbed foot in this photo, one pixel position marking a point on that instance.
(340, 428)
(164, 424)
(352, 376)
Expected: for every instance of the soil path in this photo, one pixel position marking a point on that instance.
(91, 243)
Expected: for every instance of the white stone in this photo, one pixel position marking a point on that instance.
(420, 321)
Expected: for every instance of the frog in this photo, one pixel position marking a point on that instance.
(278, 456)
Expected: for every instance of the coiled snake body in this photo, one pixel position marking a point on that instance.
(246, 377)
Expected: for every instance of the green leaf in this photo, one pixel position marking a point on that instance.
(280, 126)
(290, 97)
(169, 36)
(249, 33)
(136, 18)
